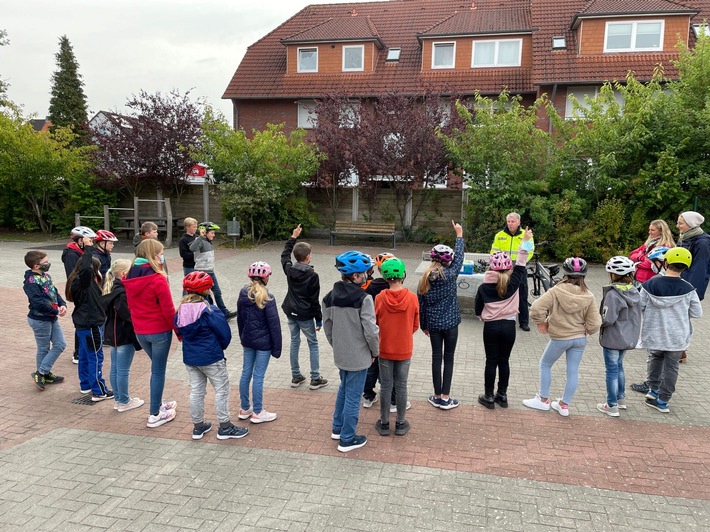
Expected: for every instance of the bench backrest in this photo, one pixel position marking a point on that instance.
(383, 227)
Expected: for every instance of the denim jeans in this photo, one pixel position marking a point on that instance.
(615, 379)
(347, 404)
(50, 341)
(121, 360)
(663, 372)
(309, 330)
(185, 271)
(554, 350)
(157, 347)
(255, 364)
(498, 341)
(443, 341)
(91, 360)
(393, 373)
(217, 292)
(219, 379)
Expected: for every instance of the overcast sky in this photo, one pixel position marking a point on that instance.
(123, 46)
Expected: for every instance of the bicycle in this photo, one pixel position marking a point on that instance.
(544, 276)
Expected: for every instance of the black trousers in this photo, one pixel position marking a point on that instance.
(443, 346)
(523, 310)
(498, 341)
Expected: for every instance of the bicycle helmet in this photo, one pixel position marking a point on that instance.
(442, 253)
(208, 226)
(500, 261)
(105, 236)
(679, 255)
(393, 268)
(259, 269)
(575, 267)
(620, 265)
(379, 259)
(82, 231)
(352, 262)
(658, 253)
(197, 282)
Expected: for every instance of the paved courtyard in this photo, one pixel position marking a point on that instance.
(71, 466)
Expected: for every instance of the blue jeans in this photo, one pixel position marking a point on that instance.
(121, 360)
(615, 379)
(217, 292)
(309, 330)
(185, 271)
(50, 343)
(554, 350)
(255, 364)
(157, 347)
(347, 404)
(91, 360)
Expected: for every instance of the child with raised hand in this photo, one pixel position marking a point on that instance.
(205, 335)
(260, 334)
(103, 246)
(621, 326)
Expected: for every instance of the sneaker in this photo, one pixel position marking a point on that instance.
(561, 409)
(320, 382)
(231, 316)
(51, 378)
(135, 402)
(161, 419)
(401, 428)
(434, 401)
(75, 358)
(383, 429)
(367, 403)
(335, 434)
(357, 442)
(448, 404)
(537, 403)
(296, 381)
(612, 411)
(38, 379)
(85, 391)
(102, 397)
(168, 405)
(263, 417)
(245, 414)
(640, 388)
(659, 405)
(115, 404)
(393, 408)
(621, 404)
(200, 431)
(651, 394)
(232, 432)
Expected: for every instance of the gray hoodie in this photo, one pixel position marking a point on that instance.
(621, 317)
(204, 254)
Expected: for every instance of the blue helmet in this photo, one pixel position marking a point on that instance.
(352, 262)
(657, 253)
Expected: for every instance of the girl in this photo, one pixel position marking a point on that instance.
(260, 335)
(439, 315)
(205, 336)
(659, 234)
(152, 312)
(497, 302)
(84, 289)
(119, 335)
(568, 313)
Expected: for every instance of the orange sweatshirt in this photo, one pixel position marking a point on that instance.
(397, 314)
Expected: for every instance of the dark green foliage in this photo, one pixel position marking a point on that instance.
(67, 106)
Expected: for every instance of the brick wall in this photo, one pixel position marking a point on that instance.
(256, 114)
(592, 33)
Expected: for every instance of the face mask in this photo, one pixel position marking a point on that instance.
(45, 267)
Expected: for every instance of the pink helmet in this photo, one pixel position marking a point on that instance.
(442, 253)
(500, 261)
(259, 269)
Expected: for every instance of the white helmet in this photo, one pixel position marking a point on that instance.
(620, 265)
(82, 231)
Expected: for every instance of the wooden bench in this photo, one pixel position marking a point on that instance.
(364, 229)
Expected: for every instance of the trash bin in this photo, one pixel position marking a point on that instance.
(233, 230)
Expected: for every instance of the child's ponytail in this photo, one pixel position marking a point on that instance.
(258, 293)
(118, 269)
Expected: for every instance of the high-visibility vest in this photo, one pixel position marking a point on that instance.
(503, 241)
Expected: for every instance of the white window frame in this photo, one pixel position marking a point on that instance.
(307, 119)
(360, 47)
(298, 59)
(634, 27)
(433, 54)
(393, 55)
(579, 92)
(496, 62)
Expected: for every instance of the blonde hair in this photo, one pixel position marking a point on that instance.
(195, 297)
(188, 222)
(424, 284)
(258, 293)
(118, 268)
(148, 249)
(576, 281)
(666, 238)
(503, 281)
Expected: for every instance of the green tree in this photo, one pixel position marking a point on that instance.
(67, 106)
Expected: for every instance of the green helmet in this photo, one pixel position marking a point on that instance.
(208, 226)
(393, 269)
(679, 255)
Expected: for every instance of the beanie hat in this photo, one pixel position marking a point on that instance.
(692, 218)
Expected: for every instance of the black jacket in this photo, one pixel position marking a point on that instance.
(303, 295)
(70, 256)
(376, 286)
(258, 329)
(86, 292)
(119, 327)
(188, 257)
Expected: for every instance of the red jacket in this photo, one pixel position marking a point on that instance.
(643, 268)
(397, 314)
(149, 300)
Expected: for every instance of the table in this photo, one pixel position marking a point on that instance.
(467, 284)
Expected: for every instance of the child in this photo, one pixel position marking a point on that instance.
(205, 336)
(568, 313)
(204, 261)
(148, 231)
(119, 335)
(350, 327)
(260, 334)
(667, 303)
(103, 252)
(397, 312)
(45, 306)
(302, 308)
(620, 329)
(497, 304)
(84, 289)
(188, 257)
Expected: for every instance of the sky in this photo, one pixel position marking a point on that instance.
(125, 46)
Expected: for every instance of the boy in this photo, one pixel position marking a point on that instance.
(397, 312)
(149, 230)
(45, 306)
(350, 327)
(302, 308)
(188, 257)
(667, 303)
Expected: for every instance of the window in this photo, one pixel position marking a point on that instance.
(350, 115)
(559, 43)
(443, 55)
(701, 29)
(308, 59)
(393, 54)
(307, 118)
(353, 58)
(580, 93)
(497, 53)
(644, 36)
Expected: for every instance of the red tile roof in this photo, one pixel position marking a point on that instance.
(617, 7)
(337, 29)
(513, 18)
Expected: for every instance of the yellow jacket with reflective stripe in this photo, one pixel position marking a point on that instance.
(508, 243)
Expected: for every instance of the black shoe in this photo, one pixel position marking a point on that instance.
(296, 381)
(232, 432)
(382, 428)
(401, 428)
(51, 378)
(525, 327)
(200, 431)
(501, 399)
(487, 401)
(357, 442)
(75, 358)
(230, 315)
(320, 382)
(38, 379)
(640, 388)
(98, 398)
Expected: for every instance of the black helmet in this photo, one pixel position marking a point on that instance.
(575, 267)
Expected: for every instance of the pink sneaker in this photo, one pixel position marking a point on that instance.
(263, 417)
(168, 405)
(161, 419)
(135, 402)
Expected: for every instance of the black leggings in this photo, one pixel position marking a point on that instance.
(498, 341)
(443, 341)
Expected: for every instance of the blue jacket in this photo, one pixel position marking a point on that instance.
(699, 272)
(205, 333)
(259, 329)
(43, 296)
(439, 307)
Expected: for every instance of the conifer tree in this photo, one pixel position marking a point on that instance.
(67, 107)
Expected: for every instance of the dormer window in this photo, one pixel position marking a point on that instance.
(353, 58)
(559, 43)
(443, 55)
(701, 29)
(502, 53)
(308, 59)
(393, 54)
(634, 36)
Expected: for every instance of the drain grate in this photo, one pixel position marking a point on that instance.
(84, 400)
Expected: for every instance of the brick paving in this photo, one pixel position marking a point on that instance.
(73, 466)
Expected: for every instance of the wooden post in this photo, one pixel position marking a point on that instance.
(77, 219)
(107, 223)
(136, 223)
(168, 223)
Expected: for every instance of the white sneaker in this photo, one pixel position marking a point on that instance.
(161, 419)
(537, 403)
(563, 410)
(135, 402)
(263, 417)
(168, 405)
(621, 404)
(393, 408)
(115, 405)
(245, 414)
(612, 411)
(367, 403)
